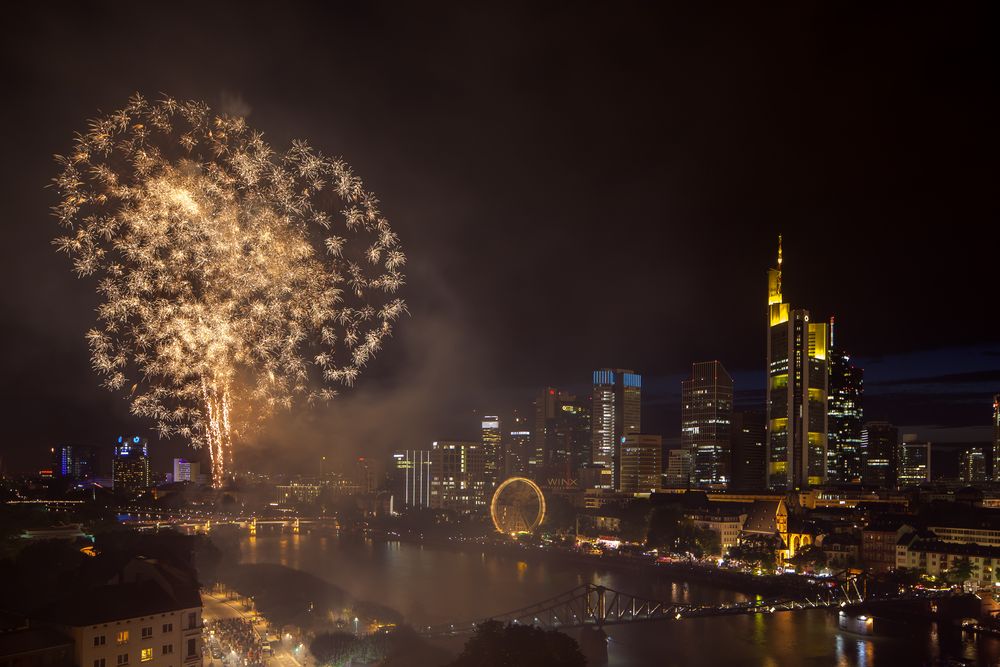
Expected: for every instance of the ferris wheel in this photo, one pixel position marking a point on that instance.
(518, 506)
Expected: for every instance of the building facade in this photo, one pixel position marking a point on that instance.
(845, 417)
(76, 462)
(186, 471)
(996, 438)
(706, 420)
(914, 462)
(972, 465)
(458, 476)
(562, 438)
(492, 442)
(616, 411)
(879, 441)
(678, 473)
(130, 465)
(641, 463)
(796, 390)
(748, 434)
(517, 446)
(410, 479)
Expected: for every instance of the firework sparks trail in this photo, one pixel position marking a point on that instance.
(235, 279)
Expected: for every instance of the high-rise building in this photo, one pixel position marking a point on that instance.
(186, 471)
(78, 462)
(972, 465)
(879, 441)
(410, 479)
(845, 417)
(914, 461)
(616, 411)
(706, 418)
(562, 434)
(748, 434)
(678, 473)
(996, 438)
(641, 463)
(517, 446)
(130, 465)
(797, 381)
(492, 448)
(458, 476)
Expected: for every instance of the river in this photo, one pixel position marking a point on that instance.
(432, 585)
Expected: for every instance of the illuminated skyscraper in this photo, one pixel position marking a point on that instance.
(616, 412)
(678, 472)
(458, 476)
(914, 462)
(845, 417)
(706, 418)
(996, 438)
(186, 471)
(78, 462)
(797, 381)
(492, 448)
(410, 479)
(641, 463)
(130, 465)
(517, 446)
(879, 441)
(972, 465)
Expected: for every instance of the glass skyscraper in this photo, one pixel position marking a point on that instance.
(616, 412)
(706, 420)
(845, 417)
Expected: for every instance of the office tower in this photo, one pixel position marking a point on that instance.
(878, 454)
(748, 434)
(130, 465)
(364, 475)
(492, 448)
(77, 462)
(517, 446)
(797, 380)
(996, 438)
(186, 471)
(561, 440)
(845, 417)
(706, 417)
(616, 412)
(678, 472)
(410, 479)
(972, 465)
(914, 461)
(641, 463)
(458, 476)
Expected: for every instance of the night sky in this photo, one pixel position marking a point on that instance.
(575, 188)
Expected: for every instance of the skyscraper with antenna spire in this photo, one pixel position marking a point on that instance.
(797, 389)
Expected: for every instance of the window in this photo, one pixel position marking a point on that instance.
(123, 639)
(147, 632)
(167, 649)
(192, 649)
(99, 640)
(193, 619)
(99, 662)
(123, 658)
(168, 627)
(146, 655)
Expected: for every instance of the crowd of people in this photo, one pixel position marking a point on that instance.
(238, 635)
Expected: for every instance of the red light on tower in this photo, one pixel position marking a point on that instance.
(552, 392)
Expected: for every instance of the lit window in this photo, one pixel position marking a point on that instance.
(123, 638)
(147, 655)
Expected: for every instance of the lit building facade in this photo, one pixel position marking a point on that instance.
(797, 388)
(517, 446)
(186, 471)
(996, 438)
(641, 463)
(492, 441)
(562, 435)
(130, 464)
(616, 411)
(77, 462)
(411, 479)
(879, 441)
(706, 420)
(458, 476)
(914, 462)
(748, 433)
(972, 465)
(845, 417)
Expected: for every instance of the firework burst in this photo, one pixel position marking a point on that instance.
(235, 279)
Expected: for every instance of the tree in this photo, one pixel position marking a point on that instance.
(333, 648)
(497, 645)
(808, 556)
(756, 551)
(959, 572)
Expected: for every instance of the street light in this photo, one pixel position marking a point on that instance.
(355, 623)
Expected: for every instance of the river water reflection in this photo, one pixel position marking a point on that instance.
(432, 585)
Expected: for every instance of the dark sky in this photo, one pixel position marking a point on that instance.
(574, 187)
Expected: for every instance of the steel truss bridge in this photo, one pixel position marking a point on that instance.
(597, 606)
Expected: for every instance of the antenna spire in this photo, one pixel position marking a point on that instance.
(779, 251)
